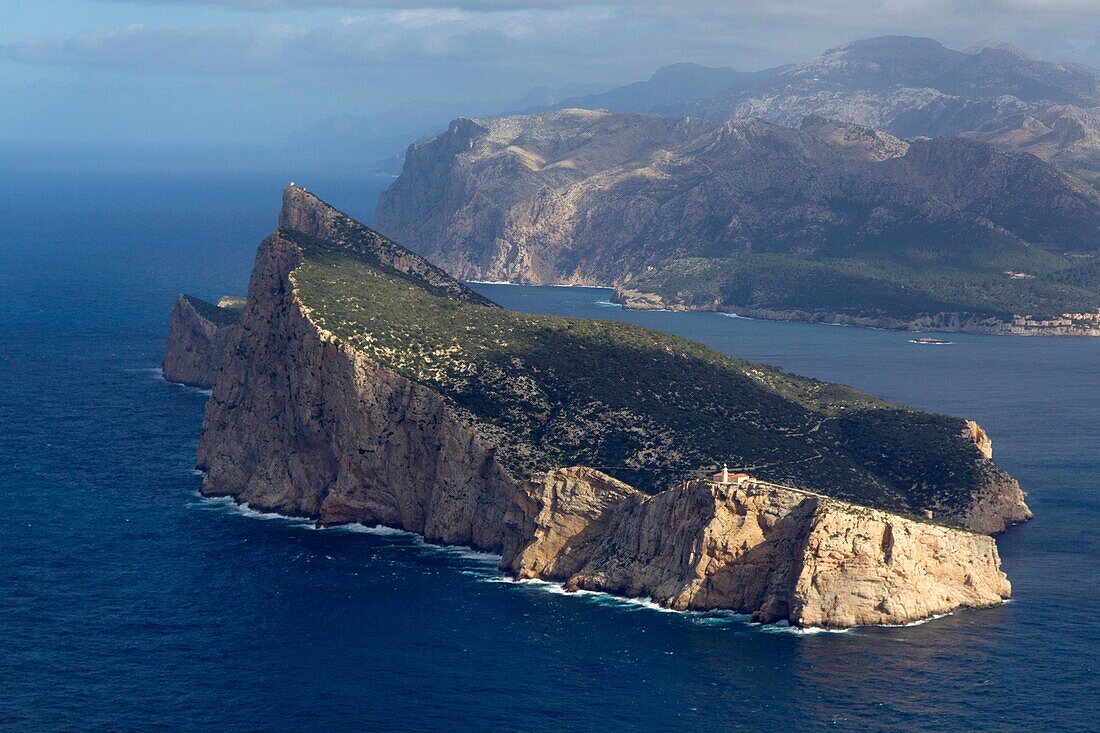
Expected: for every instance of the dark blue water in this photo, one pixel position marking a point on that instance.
(126, 603)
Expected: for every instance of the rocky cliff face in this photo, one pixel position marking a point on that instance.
(303, 423)
(588, 196)
(771, 552)
(198, 338)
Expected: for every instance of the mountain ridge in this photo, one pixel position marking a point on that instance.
(911, 87)
(590, 197)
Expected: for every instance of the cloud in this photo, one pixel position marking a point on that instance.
(558, 41)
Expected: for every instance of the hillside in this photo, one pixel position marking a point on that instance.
(907, 86)
(918, 229)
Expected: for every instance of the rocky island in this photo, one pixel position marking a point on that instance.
(361, 383)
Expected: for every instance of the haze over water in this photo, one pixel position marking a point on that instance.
(128, 603)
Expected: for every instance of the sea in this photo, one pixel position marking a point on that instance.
(128, 603)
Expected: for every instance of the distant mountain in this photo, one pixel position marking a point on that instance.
(907, 86)
(832, 218)
(377, 141)
(671, 87)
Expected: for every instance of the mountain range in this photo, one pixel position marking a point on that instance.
(906, 86)
(832, 218)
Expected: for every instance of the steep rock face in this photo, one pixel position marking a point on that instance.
(500, 198)
(592, 197)
(978, 436)
(304, 425)
(198, 338)
(996, 503)
(772, 552)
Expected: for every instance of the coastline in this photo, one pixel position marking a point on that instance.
(936, 323)
(954, 322)
(603, 598)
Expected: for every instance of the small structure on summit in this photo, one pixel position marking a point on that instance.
(725, 477)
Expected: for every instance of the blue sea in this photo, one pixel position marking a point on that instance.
(127, 603)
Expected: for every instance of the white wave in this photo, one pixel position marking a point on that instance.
(608, 304)
(784, 627)
(566, 285)
(737, 316)
(228, 503)
(468, 553)
(158, 374)
(487, 282)
(378, 529)
(608, 599)
(918, 622)
(493, 574)
(931, 343)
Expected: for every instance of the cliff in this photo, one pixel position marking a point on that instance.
(198, 337)
(830, 221)
(337, 402)
(768, 551)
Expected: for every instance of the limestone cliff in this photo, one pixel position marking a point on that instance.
(307, 422)
(198, 335)
(300, 423)
(769, 551)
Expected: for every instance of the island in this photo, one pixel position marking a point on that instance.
(360, 383)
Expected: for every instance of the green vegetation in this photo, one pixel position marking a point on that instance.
(644, 406)
(868, 288)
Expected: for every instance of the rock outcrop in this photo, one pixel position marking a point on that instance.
(769, 551)
(303, 423)
(198, 338)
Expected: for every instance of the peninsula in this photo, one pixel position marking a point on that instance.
(360, 383)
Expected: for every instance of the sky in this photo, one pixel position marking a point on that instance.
(255, 72)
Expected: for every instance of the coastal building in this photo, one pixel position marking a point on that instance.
(725, 477)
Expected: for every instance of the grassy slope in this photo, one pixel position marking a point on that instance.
(646, 407)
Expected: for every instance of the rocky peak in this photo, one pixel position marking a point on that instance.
(304, 213)
(977, 435)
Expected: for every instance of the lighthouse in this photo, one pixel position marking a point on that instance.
(726, 478)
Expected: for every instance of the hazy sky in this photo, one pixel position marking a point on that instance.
(227, 71)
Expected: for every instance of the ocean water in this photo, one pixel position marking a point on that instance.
(127, 603)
